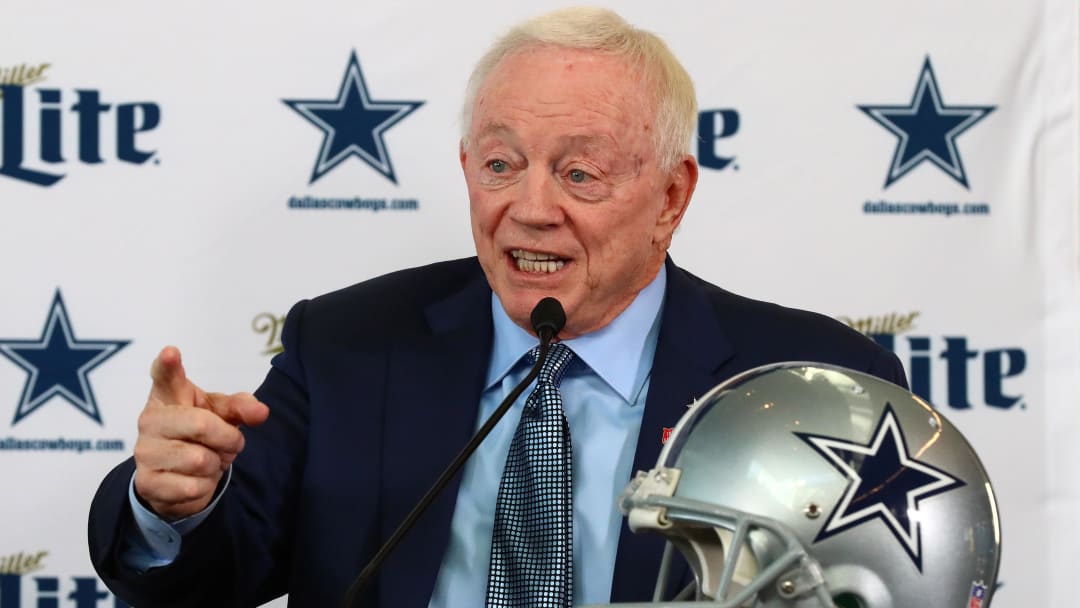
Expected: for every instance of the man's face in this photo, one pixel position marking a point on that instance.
(566, 194)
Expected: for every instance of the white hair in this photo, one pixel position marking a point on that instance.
(605, 31)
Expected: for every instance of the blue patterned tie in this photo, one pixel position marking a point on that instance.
(532, 545)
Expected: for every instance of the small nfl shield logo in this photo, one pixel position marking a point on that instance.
(978, 593)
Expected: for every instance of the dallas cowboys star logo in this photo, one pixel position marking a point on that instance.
(884, 483)
(353, 124)
(927, 129)
(58, 364)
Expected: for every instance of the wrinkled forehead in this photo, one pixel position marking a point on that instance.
(555, 87)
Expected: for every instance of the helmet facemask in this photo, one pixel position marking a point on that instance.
(739, 560)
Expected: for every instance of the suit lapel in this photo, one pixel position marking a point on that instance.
(689, 353)
(434, 387)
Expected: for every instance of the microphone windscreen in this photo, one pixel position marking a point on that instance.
(548, 313)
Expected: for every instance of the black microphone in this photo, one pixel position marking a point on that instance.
(547, 319)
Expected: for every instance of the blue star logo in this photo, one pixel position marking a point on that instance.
(353, 124)
(884, 483)
(58, 364)
(927, 129)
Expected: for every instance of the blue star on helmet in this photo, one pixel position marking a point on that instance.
(58, 364)
(926, 129)
(353, 124)
(885, 483)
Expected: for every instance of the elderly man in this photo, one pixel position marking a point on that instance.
(575, 155)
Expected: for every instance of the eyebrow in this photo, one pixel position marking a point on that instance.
(586, 141)
(495, 129)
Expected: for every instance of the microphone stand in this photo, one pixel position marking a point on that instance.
(547, 332)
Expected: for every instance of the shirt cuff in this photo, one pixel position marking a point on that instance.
(154, 542)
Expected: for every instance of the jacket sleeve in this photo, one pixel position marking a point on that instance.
(241, 554)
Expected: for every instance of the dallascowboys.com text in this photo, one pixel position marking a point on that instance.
(356, 202)
(60, 444)
(925, 208)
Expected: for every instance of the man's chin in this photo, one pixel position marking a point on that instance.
(519, 305)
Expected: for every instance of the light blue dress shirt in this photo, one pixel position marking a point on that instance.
(603, 393)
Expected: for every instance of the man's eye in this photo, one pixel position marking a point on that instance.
(498, 166)
(578, 176)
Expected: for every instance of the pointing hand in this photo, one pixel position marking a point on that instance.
(187, 439)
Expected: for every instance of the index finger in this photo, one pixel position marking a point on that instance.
(170, 383)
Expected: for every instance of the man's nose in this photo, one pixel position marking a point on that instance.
(538, 200)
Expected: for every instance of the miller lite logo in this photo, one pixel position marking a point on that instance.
(952, 370)
(49, 113)
(18, 588)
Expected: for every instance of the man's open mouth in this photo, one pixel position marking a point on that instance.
(532, 261)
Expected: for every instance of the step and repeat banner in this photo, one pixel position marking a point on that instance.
(182, 173)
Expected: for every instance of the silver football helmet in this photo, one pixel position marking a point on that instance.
(807, 485)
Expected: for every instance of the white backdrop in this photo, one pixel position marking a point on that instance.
(171, 223)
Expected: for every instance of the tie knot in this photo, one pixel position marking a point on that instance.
(554, 367)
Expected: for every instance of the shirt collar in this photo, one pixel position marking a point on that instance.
(620, 353)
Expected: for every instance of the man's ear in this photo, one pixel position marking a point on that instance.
(461, 153)
(682, 179)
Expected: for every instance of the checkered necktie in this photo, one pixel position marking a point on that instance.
(532, 545)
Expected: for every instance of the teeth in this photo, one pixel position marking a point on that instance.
(532, 255)
(538, 266)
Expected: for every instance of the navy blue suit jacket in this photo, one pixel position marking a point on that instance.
(376, 391)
